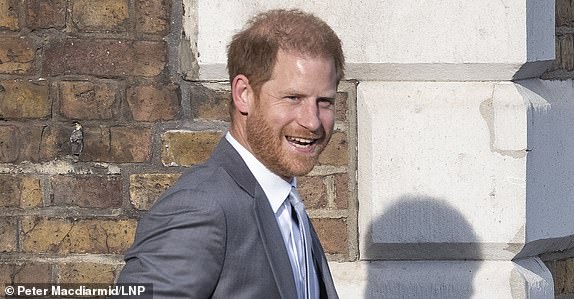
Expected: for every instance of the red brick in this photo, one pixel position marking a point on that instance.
(210, 104)
(21, 99)
(9, 14)
(65, 236)
(186, 148)
(8, 228)
(341, 106)
(153, 16)
(101, 15)
(107, 58)
(117, 144)
(46, 14)
(336, 151)
(333, 234)
(87, 191)
(313, 191)
(154, 103)
(55, 142)
(83, 100)
(17, 55)
(342, 191)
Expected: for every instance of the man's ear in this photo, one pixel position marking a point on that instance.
(242, 94)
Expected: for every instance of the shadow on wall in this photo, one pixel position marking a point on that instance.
(425, 249)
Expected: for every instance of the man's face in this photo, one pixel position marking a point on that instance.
(293, 117)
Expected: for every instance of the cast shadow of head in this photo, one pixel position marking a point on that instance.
(421, 247)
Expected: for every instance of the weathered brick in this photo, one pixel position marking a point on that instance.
(313, 191)
(16, 55)
(87, 191)
(56, 141)
(101, 15)
(18, 191)
(145, 189)
(64, 236)
(566, 51)
(117, 144)
(19, 144)
(83, 100)
(25, 272)
(8, 228)
(9, 191)
(341, 106)
(9, 14)
(107, 58)
(152, 16)
(564, 13)
(154, 103)
(185, 148)
(210, 104)
(336, 151)
(31, 193)
(86, 272)
(21, 99)
(46, 14)
(333, 234)
(563, 278)
(342, 191)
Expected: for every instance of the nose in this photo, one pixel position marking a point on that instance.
(308, 116)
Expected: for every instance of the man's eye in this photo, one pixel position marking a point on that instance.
(292, 98)
(326, 103)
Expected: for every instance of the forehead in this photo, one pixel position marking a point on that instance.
(300, 70)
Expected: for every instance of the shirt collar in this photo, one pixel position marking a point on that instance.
(276, 189)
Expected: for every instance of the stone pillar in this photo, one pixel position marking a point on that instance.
(465, 173)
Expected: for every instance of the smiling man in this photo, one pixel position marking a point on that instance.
(235, 227)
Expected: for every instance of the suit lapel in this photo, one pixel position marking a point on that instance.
(276, 254)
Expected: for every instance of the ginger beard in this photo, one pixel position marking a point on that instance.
(279, 151)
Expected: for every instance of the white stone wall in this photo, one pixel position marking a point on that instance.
(465, 172)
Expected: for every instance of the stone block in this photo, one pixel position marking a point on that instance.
(84, 100)
(64, 236)
(86, 272)
(499, 40)
(87, 191)
(185, 148)
(17, 55)
(117, 144)
(104, 57)
(24, 99)
(146, 188)
(154, 103)
(102, 15)
(153, 17)
(8, 234)
(333, 234)
(9, 14)
(443, 279)
(41, 14)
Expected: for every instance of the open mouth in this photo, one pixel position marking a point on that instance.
(299, 142)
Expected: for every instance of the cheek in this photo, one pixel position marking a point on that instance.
(327, 118)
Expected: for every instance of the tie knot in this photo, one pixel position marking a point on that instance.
(294, 197)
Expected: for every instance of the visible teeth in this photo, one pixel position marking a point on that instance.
(300, 142)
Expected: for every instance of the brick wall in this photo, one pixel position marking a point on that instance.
(112, 66)
(561, 265)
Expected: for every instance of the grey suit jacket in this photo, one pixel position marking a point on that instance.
(214, 235)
